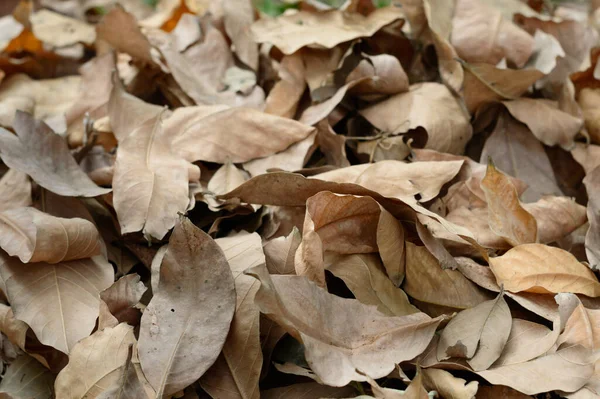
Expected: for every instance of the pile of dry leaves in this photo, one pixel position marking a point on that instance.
(383, 200)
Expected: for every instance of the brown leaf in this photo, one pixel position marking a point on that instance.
(44, 296)
(427, 282)
(582, 327)
(592, 238)
(549, 124)
(95, 363)
(35, 236)
(195, 302)
(150, 182)
(481, 34)
(478, 334)
(236, 372)
(386, 76)
(237, 134)
(448, 129)
(121, 297)
(365, 277)
(15, 330)
(27, 378)
(588, 156)
(567, 369)
(284, 97)
(499, 392)
(307, 390)
(15, 190)
(516, 152)
(326, 29)
(238, 17)
(484, 83)
(341, 335)
(556, 217)
(43, 155)
(588, 101)
(507, 217)
(539, 268)
(128, 386)
(280, 252)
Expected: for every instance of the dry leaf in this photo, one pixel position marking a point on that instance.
(592, 238)
(588, 101)
(35, 236)
(15, 190)
(43, 155)
(236, 372)
(538, 268)
(448, 129)
(57, 30)
(128, 385)
(326, 29)
(27, 378)
(92, 370)
(122, 297)
(195, 302)
(556, 217)
(447, 385)
(507, 217)
(567, 369)
(280, 252)
(527, 340)
(15, 330)
(335, 347)
(59, 302)
(365, 277)
(238, 17)
(588, 156)
(306, 390)
(582, 327)
(481, 34)
(478, 334)
(284, 97)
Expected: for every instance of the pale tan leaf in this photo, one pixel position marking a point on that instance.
(556, 217)
(539, 268)
(592, 238)
(238, 17)
(15, 190)
(225, 179)
(187, 320)
(57, 30)
(15, 330)
(365, 277)
(448, 129)
(307, 391)
(507, 217)
(43, 155)
(427, 282)
(236, 372)
(128, 386)
(567, 369)
(386, 73)
(150, 182)
(518, 153)
(478, 334)
(341, 335)
(60, 301)
(27, 378)
(447, 385)
(280, 252)
(588, 156)
(549, 124)
(218, 134)
(95, 363)
(588, 100)
(527, 341)
(122, 297)
(322, 29)
(582, 328)
(481, 34)
(35, 236)
(284, 97)
(484, 83)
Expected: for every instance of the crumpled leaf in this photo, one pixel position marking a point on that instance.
(27, 378)
(91, 371)
(539, 268)
(195, 302)
(43, 155)
(121, 297)
(507, 217)
(35, 236)
(60, 302)
(427, 105)
(478, 334)
(290, 33)
(334, 348)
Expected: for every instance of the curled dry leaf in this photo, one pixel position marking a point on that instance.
(448, 129)
(481, 34)
(549, 124)
(567, 369)
(27, 378)
(236, 372)
(507, 217)
(91, 371)
(478, 334)
(60, 301)
(35, 236)
(539, 268)
(121, 297)
(15, 330)
(290, 33)
(427, 282)
(15, 190)
(195, 302)
(150, 182)
(334, 347)
(37, 151)
(364, 276)
(386, 73)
